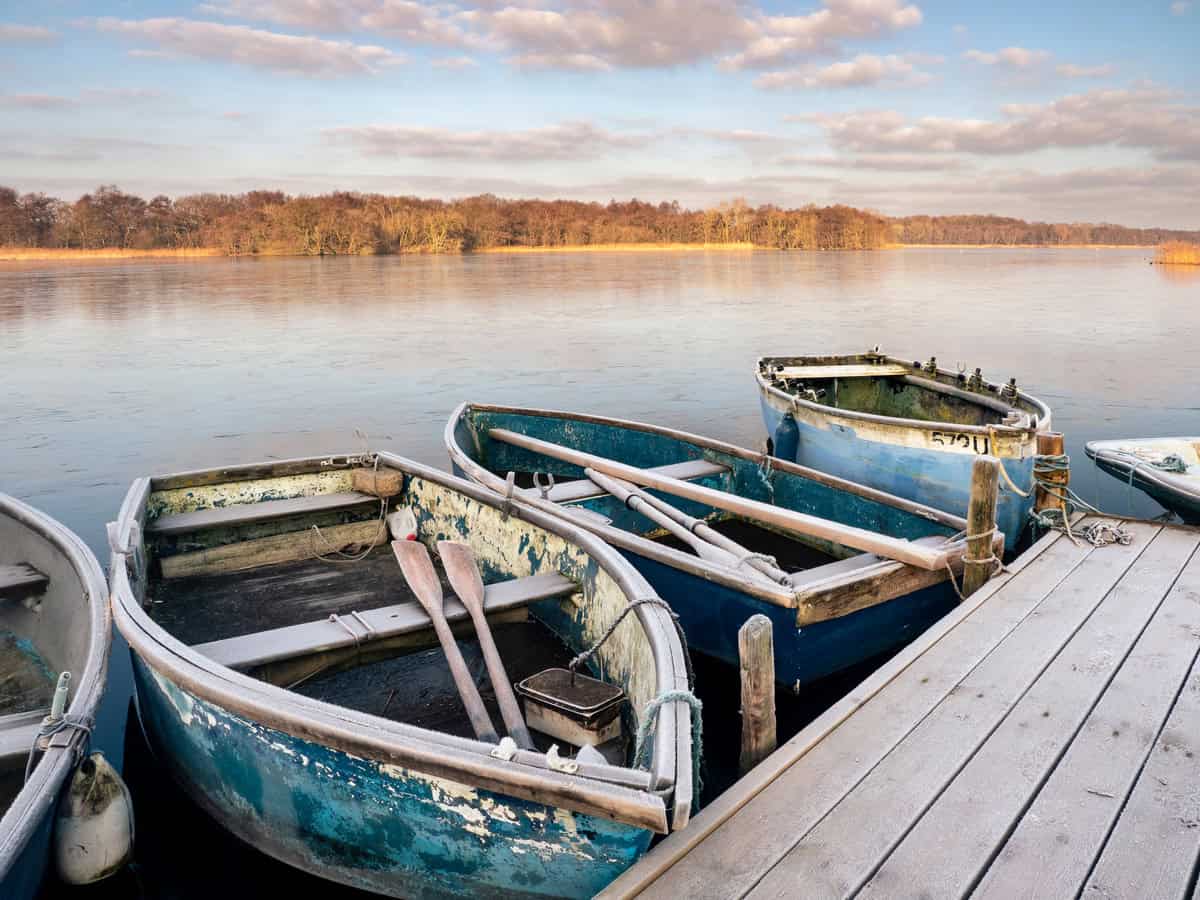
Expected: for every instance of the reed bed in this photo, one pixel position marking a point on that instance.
(1178, 253)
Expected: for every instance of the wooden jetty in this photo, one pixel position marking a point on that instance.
(1041, 740)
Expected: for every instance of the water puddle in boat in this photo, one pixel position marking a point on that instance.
(27, 682)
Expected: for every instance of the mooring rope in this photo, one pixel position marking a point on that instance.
(649, 722)
(332, 554)
(51, 727)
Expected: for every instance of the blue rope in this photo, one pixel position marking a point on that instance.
(641, 758)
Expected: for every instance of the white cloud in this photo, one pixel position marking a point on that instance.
(779, 39)
(884, 162)
(37, 101)
(565, 141)
(1013, 57)
(21, 34)
(1139, 118)
(1180, 7)
(286, 53)
(864, 70)
(455, 62)
(1070, 70)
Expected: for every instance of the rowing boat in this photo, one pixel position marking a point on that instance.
(288, 681)
(712, 528)
(1168, 469)
(907, 428)
(54, 640)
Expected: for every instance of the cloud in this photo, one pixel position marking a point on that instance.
(862, 71)
(597, 35)
(285, 53)
(25, 34)
(1180, 7)
(1070, 70)
(414, 22)
(1012, 57)
(24, 146)
(1139, 118)
(783, 38)
(121, 95)
(455, 62)
(884, 162)
(37, 101)
(565, 141)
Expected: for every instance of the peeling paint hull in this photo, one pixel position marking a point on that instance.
(370, 825)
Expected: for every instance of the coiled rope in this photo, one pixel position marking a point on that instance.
(1098, 534)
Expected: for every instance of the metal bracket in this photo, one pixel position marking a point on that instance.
(544, 489)
(560, 763)
(505, 750)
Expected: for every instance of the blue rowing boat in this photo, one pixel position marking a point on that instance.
(904, 427)
(832, 604)
(285, 678)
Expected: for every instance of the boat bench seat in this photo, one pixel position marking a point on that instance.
(247, 513)
(582, 489)
(250, 650)
(18, 732)
(21, 580)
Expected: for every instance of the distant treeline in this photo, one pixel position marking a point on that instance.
(270, 222)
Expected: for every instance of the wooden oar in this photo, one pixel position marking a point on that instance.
(801, 523)
(463, 572)
(418, 572)
(695, 527)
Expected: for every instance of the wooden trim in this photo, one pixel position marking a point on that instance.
(249, 513)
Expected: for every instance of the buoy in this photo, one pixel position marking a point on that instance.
(93, 831)
(786, 440)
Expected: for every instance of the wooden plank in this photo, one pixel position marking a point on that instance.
(262, 647)
(1061, 834)
(854, 838)
(276, 548)
(1154, 850)
(965, 826)
(583, 488)
(246, 513)
(882, 370)
(21, 580)
(17, 733)
(750, 827)
(801, 523)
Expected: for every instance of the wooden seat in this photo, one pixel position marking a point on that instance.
(251, 650)
(18, 732)
(246, 513)
(583, 489)
(20, 580)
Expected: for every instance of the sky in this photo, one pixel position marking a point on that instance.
(1087, 112)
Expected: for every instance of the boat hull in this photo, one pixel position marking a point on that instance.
(1178, 492)
(888, 461)
(372, 825)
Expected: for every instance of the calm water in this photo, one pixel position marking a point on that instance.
(114, 370)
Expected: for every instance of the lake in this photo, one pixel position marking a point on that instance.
(114, 370)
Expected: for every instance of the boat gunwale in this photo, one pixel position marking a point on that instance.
(1025, 433)
(34, 801)
(776, 595)
(464, 760)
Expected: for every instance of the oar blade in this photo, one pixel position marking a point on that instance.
(458, 559)
(419, 573)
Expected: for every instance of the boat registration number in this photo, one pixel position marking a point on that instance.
(976, 443)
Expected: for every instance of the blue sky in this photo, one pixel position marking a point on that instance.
(1086, 112)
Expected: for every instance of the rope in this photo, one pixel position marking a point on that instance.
(761, 557)
(332, 554)
(587, 654)
(51, 727)
(764, 475)
(648, 723)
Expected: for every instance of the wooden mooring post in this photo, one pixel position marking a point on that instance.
(978, 564)
(1050, 443)
(756, 653)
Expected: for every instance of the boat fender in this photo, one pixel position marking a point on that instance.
(93, 830)
(786, 440)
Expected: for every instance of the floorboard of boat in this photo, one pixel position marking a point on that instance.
(25, 681)
(790, 555)
(205, 608)
(418, 689)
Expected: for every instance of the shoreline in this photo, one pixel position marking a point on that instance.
(44, 254)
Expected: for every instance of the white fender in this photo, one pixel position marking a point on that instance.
(93, 831)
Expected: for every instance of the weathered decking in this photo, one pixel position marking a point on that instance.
(1042, 740)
